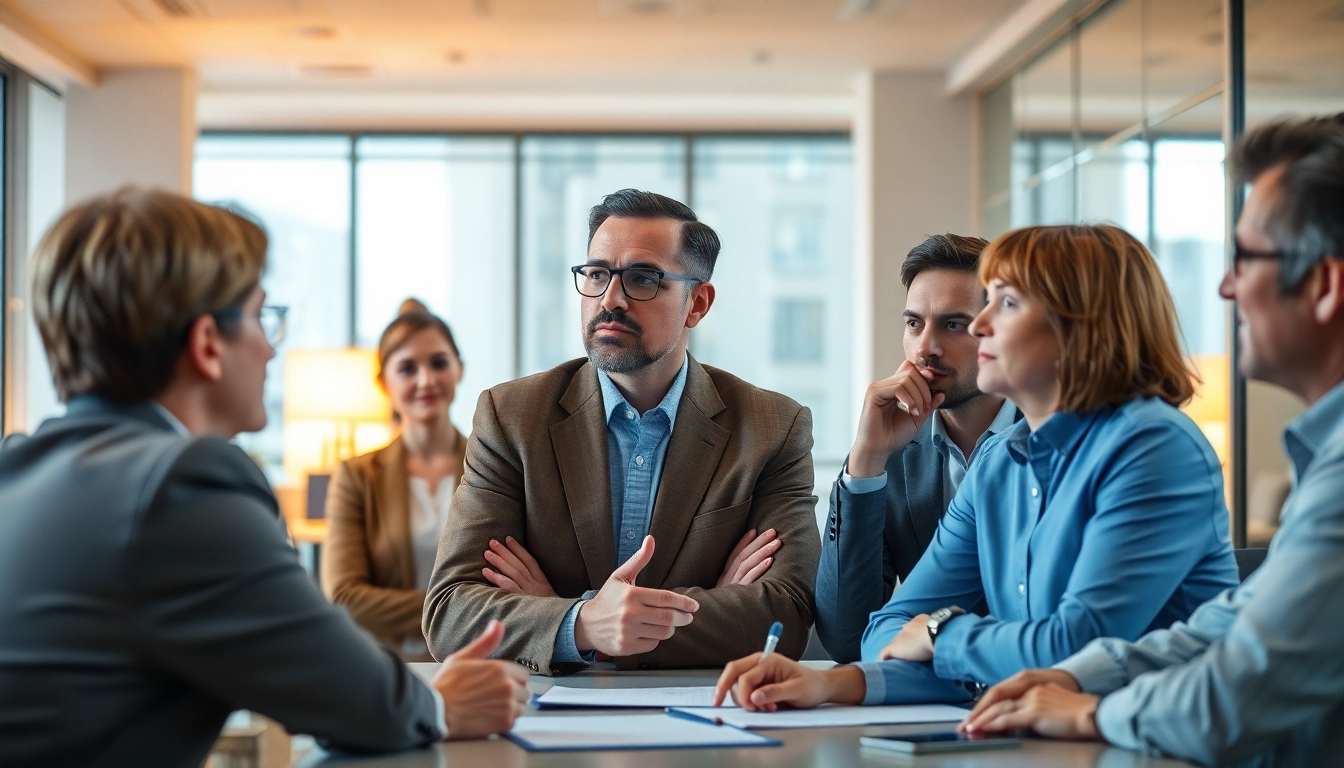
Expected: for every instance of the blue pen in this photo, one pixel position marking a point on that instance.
(772, 639)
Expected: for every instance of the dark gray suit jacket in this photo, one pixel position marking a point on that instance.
(147, 589)
(859, 569)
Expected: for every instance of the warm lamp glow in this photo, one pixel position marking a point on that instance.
(333, 408)
(1209, 408)
(334, 385)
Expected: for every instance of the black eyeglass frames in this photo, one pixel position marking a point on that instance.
(638, 283)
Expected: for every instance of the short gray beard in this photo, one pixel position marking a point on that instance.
(613, 359)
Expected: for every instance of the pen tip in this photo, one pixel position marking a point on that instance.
(776, 629)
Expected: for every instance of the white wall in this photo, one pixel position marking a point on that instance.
(137, 127)
(913, 166)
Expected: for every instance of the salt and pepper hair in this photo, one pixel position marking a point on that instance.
(699, 243)
(1307, 221)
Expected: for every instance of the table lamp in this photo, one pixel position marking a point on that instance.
(334, 408)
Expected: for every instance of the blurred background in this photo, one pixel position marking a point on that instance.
(450, 149)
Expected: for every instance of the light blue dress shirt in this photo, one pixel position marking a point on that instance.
(636, 447)
(1109, 523)
(1258, 672)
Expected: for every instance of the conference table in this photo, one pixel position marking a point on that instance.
(810, 747)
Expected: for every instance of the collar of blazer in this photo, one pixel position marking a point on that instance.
(693, 452)
(393, 497)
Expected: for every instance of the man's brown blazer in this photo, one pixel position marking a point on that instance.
(536, 469)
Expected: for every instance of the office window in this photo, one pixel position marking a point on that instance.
(483, 230)
(434, 220)
(783, 208)
(299, 188)
(798, 335)
(562, 178)
(797, 244)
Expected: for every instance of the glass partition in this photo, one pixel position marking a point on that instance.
(1120, 122)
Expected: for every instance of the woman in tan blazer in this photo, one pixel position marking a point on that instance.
(387, 509)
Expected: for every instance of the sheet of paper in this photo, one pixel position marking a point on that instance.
(561, 696)
(830, 717)
(545, 734)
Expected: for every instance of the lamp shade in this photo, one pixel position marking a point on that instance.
(334, 385)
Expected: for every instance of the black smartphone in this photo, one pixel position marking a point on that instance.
(926, 743)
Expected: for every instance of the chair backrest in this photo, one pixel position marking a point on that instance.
(1248, 560)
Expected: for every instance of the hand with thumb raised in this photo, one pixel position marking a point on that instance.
(481, 697)
(623, 619)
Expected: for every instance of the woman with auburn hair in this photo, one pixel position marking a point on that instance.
(387, 508)
(1100, 514)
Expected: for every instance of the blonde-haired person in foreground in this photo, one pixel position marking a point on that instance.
(1257, 675)
(147, 587)
(387, 509)
(1100, 514)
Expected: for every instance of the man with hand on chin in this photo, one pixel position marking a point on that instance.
(610, 507)
(918, 433)
(1256, 675)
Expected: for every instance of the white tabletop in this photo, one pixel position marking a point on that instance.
(803, 748)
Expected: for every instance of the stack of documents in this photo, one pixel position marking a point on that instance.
(558, 734)
(616, 698)
(690, 720)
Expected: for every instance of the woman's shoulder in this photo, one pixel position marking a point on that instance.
(1153, 422)
(369, 465)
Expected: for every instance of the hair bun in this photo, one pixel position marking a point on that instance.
(412, 305)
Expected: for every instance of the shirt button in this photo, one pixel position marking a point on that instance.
(629, 414)
(1021, 589)
(1035, 492)
(639, 461)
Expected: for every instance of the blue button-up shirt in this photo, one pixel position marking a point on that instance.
(1259, 670)
(1109, 523)
(636, 447)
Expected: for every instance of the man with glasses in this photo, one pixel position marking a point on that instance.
(147, 587)
(1256, 676)
(632, 506)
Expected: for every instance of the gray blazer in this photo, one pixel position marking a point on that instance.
(147, 589)
(859, 569)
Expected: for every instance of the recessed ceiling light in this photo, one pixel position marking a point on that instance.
(313, 32)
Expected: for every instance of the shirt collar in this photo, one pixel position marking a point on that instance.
(1310, 432)
(1002, 421)
(172, 420)
(612, 397)
(1060, 433)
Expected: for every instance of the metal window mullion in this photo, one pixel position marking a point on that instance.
(1234, 125)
